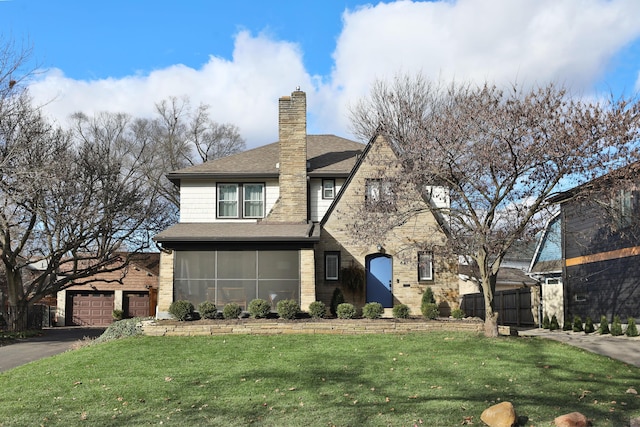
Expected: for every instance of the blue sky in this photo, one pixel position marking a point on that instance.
(240, 56)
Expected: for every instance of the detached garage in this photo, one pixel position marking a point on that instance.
(90, 308)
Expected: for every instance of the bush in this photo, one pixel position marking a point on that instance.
(632, 329)
(288, 308)
(616, 326)
(545, 321)
(568, 324)
(231, 311)
(208, 310)
(182, 310)
(604, 326)
(117, 314)
(336, 299)
(577, 324)
(588, 326)
(430, 310)
(401, 311)
(317, 310)
(121, 329)
(457, 313)
(553, 324)
(427, 297)
(372, 310)
(259, 308)
(345, 311)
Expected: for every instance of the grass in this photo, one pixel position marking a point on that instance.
(435, 379)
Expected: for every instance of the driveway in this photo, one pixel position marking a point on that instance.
(621, 348)
(53, 341)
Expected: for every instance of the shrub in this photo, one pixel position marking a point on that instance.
(553, 324)
(121, 329)
(427, 297)
(568, 324)
(632, 329)
(231, 311)
(604, 326)
(430, 310)
(401, 311)
(117, 314)
(545, 321)
(317, 310)
(336, 299)
(457, 313)
(288, 308)
(616, 326)
(208, 310)
(577, 324)
(588, 326)
(372, 310)
(181, 310)
(259, 308)
(345, 311)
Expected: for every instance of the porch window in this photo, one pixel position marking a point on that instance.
(328, 188)
(228, 200)
(331, 265)
(253, 200)
(425, 266)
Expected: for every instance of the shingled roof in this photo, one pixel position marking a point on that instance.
(328, 155)
(239, 232)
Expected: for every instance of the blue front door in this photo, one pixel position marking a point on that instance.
(379, 271)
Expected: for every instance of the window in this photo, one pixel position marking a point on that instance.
(425, 266)
(331, 265)
(328, 188)
(625, 208)
(228, 200)
(253, 200)
(378, 193)
(248, 203)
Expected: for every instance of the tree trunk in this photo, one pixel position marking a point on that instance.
(491, 324)
(18, 304)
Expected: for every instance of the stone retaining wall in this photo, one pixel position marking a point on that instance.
(338, 327)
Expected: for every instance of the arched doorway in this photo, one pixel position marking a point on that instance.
(379, 277)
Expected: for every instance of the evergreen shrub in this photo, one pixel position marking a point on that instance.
(427, 297)
(430, 310)
(616, 326)
(288, 309)
(457, 313)
(259, 308)
(346, 311)
(231, 311)
(553, 324)
(372, 310)
(121, 329)
(207, 310)
(317, 310)
(632, 329)
(588, 326)
(577, 324)
(604, 326)
(401, 311)
(545, 321)
(336, 299)
(182, 310)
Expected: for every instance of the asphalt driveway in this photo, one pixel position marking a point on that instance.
(53, 341)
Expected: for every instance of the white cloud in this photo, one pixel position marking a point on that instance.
(528, 41)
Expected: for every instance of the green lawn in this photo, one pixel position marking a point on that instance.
(434, 379)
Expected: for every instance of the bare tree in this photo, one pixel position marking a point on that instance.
(498, 154)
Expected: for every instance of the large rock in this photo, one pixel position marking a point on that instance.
(500, 415)
(574, 419)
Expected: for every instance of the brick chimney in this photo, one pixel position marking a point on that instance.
(292, 123)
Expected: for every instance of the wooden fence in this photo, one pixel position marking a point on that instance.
(516, 307)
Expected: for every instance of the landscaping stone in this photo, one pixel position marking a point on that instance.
(635, 422)
(574, 419)
(500, 415)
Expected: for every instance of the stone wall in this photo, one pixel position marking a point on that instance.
(165, 288)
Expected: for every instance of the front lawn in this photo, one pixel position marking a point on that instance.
(433, 379)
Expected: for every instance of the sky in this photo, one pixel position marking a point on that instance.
(239, 57)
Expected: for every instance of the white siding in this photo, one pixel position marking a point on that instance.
(319, 206)
(198, 200)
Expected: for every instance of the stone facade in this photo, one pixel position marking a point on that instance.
(165, 287)
(338, 235)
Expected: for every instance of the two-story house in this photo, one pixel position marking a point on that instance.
(589, 256)
(271, 223)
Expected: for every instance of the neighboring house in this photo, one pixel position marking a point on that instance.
(598, 271)
(273, 223)
(132, 289)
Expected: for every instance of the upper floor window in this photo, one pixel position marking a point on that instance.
(425, 266)
(328, 188)
(625, 206)
(233, 203)
(378, 193)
